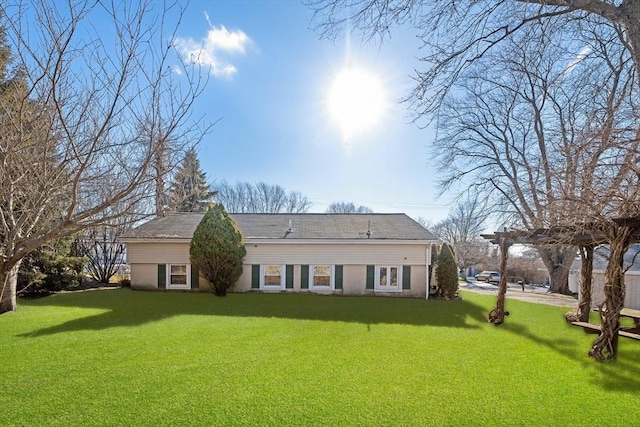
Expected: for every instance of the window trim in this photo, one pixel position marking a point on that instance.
(283, 274)
(376, 281)
(332, 278)
(187, 285)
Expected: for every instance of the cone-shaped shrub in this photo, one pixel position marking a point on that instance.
(447, 272)
(217, 249)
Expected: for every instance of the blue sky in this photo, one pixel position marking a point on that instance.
(270, 80)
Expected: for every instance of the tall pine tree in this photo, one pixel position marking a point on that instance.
(189, 190)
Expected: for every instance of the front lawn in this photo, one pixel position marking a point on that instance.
(119, 357)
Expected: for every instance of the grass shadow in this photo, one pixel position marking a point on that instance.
(127, 308)
(619, 376)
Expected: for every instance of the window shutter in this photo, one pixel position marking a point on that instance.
(304, 277)
(371, 271)
(338, 278)
(406, 277)
(195, 277)
(162, 276)
(255, 276)
(288, 277)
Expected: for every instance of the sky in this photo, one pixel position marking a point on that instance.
(281, 116)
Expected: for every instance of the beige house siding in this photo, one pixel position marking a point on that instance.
(354, 282)
(144, 276)
(632, 284)
(158, 253)
(342, 254)
(144, 258)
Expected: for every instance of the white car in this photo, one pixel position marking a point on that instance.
(488, 276)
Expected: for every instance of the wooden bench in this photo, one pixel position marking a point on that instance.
(590, 328)
(628, 334)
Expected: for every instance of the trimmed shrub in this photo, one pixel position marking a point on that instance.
(447, 272)
(217, 250)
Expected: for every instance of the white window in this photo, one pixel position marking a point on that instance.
(388, 278)
(272, 277)
(321, 277)
(178, 276)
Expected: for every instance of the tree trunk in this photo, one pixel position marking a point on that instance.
(631, 21)
(558, 260)
(9, 281)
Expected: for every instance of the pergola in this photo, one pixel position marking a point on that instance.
(618, 233)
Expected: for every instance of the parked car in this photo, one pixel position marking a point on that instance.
(488, 276)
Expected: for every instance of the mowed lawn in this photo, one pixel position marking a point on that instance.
(120, 357)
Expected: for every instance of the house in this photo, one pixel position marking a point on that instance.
(347, 254)
(631, 277)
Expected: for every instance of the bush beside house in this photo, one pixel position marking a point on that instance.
(217, 250)
(447, 272)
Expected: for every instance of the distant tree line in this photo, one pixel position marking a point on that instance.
(245, 197)
(347, 207)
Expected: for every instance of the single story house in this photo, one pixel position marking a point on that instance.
(348, 254)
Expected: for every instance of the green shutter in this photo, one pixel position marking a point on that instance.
(338, 278)
(162, 276)
(304, 277)
(371, 272)
(195, 277)
(255, 276)
(288, 277)
(406, 277)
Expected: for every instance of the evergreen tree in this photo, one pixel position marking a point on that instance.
(446, 272)
(217, 250)
(51, 268)
(189, 191)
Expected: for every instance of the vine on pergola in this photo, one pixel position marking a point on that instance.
(618, 234)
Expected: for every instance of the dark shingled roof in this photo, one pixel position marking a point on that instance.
(303, 226)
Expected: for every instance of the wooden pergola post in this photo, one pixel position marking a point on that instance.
(497, 315)
(621, 235)
(581, 314)
(586, 282)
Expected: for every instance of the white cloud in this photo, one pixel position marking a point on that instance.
(210, 51)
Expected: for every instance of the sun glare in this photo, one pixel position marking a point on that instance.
(356, 101)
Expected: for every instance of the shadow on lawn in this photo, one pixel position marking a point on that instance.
(620, 376)
(125, 308)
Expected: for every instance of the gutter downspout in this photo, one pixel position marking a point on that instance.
(427, 263)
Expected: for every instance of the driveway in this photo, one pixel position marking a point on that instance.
(531, 293)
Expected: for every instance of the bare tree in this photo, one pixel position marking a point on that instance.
(455, 34)
(462, 230)
(347, 207)
(81, 118)
(428, 224)
(296, 202)
(524, 133)
(244, 197)
(103, 250)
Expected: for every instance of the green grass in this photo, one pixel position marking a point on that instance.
(118, 357)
